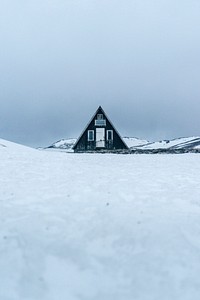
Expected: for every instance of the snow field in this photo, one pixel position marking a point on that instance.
(98, 227)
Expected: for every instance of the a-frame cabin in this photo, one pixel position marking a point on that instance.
(99, 134)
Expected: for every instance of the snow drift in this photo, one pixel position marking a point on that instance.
(103, 227)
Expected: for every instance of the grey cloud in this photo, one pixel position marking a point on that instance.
(61, 59)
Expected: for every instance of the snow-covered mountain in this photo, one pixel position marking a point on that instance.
(139, 144)
(134, 142)
(64, 144)
(179, 143)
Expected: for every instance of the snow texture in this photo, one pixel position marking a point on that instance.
(98, 227)
(66, 144)
(180, 143)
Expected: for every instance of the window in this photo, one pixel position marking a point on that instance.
(100, 122)
(90, 135)
(99, 117)
(109, 135)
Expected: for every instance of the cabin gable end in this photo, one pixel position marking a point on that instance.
(99, 134)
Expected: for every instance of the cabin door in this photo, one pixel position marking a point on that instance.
(100, 137)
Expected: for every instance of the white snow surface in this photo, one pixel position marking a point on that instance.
(98, 226)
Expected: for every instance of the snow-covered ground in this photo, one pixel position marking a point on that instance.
(98, 226)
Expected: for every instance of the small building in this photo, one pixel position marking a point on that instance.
(99, 134)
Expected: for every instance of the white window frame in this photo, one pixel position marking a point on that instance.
(100, 122)
(90, 131)
(107, 133)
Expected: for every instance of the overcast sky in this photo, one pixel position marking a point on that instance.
(61, 59)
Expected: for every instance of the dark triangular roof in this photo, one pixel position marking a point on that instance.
(99, 111)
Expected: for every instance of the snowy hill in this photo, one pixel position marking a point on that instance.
(136, 143)
(64, 144)
(10, 146)
(180, 143)
(103, 227)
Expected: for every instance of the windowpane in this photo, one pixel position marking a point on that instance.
(100, 122)
(99, 117)
(90, 135)
(110, 135)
